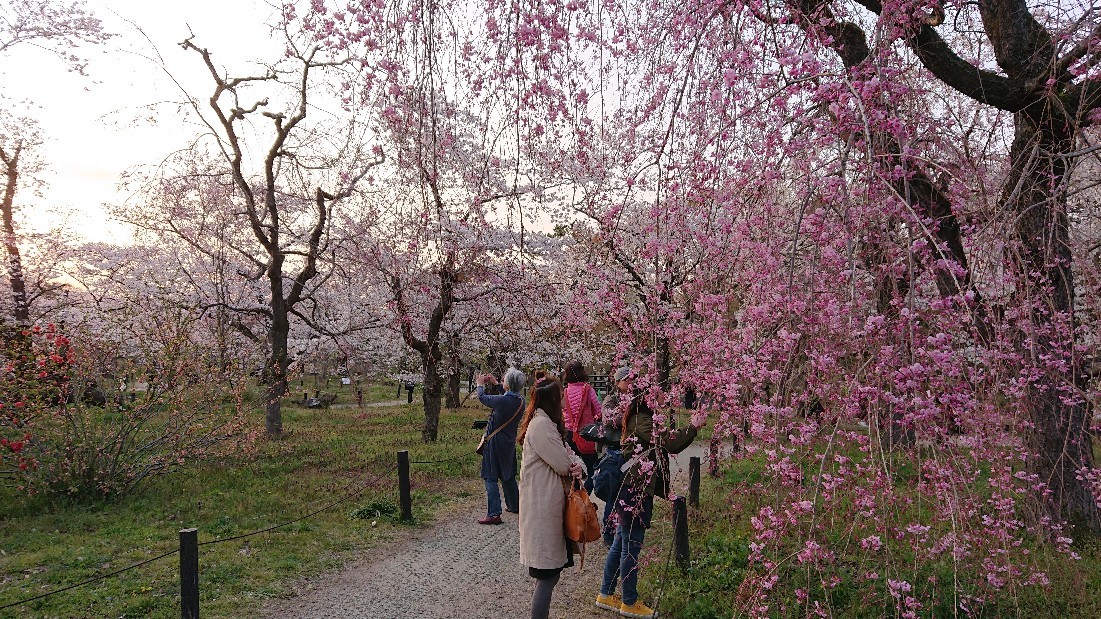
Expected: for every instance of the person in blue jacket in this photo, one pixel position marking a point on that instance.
(499, 453)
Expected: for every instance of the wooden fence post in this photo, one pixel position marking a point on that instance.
(189, 573)
(694, 481)
(680, 532)
(403, 486)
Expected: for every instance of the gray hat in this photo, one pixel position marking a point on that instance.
(622, 373)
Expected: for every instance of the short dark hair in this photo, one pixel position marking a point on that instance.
(575, 373)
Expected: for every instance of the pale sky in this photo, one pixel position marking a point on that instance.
(92, 125)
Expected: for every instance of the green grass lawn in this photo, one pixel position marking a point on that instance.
(46, 544)
(373, 391)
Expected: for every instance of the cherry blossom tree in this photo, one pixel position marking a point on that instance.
(1044, 79)
(57, 28)
(426, 272)
(190, 214)
(276, 179)
(16, 152)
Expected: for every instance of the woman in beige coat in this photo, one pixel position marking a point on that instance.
(546, 462)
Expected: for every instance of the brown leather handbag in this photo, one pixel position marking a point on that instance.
(579, 518)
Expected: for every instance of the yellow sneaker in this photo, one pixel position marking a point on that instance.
(609, 602)
(638, 610)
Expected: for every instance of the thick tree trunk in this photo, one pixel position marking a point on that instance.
(21, 310)
(430, 395)
(454, 372)
(454, 381)
(496, 364)
(664, 363)
(429, 348)
(1060, 434)
(277, 366)
(1045, 126)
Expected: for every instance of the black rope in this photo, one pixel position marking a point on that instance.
(458, 457)
(91, 580)
(350, 495)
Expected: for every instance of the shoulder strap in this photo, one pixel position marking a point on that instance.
(635, 459)
(567, 408)
(506, 424)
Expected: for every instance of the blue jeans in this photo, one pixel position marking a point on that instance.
(609, 523)
(608, 527)
(622, 561)
(493, 496)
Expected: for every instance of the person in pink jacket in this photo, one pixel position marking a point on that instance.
(580, 407)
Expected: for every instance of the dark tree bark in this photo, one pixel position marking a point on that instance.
(496, 363)
(431, 396)
(663, 362)
(1035, 193)
(21, 311)
(278, 360)
(454, 371)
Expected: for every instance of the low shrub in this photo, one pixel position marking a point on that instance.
(72, 427)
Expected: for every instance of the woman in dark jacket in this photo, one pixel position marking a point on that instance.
(499, 452)
(646, 452)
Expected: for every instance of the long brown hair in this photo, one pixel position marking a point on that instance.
(546, 394)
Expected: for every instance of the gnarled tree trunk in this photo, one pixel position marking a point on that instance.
(21, 311)
(429, 346)
(1060, 427)
(454, 371)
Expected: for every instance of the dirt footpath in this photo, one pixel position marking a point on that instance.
(456, 569)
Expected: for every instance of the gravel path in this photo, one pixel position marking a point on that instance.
(456, 569)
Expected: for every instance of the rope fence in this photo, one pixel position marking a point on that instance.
(189, 547)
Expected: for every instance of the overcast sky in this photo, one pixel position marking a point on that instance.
(95, 126)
